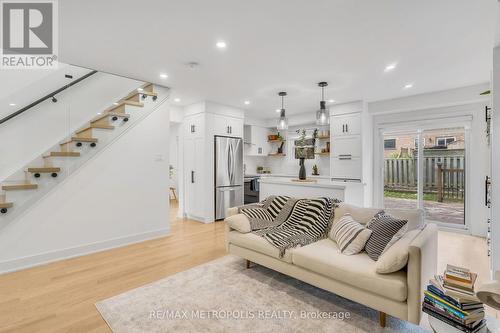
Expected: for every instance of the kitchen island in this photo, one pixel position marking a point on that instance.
(348, 192)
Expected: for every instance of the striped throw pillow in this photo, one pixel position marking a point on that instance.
(349, 235)
(384, 227)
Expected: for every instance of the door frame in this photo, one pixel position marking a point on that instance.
(419, 126)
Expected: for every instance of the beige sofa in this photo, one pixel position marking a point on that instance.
(398, 294)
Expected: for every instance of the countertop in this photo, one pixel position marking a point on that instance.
(325, 183)
(281, 175)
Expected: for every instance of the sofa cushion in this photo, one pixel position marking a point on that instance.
(396, 257)
(358, 270)
(349, 235)
(257, 243)
(386, 231)
(239, 222)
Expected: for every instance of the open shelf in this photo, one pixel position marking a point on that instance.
(276, 154)
(277, 140)
(322, 154)
(323, 137)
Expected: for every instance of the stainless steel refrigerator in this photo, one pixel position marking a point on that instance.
(228, 174)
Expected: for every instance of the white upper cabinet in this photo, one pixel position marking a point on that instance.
(349, 124)
(227, 126)
(194, 125)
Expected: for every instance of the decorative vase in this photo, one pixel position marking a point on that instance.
(302, 170)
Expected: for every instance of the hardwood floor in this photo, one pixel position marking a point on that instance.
(60, 297)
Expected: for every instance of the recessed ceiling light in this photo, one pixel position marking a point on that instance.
(163, 75)
(177, 100)
(140, 89)
(390, 67)
(12, 104)
(221, 44)
(331, 101)
(408, 85)
(247, 102)
(278, 110)
(115, 103)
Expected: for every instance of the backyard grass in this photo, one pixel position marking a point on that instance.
(410, 195)
(413, 196)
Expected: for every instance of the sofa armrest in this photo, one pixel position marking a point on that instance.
(230, 212)
(422, 266)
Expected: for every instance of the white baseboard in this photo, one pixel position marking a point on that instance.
(48, 257)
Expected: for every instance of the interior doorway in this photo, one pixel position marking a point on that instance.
(425, 168)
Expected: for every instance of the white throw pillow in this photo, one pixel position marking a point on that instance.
(349, 235)
(239, 222)
(396, 257)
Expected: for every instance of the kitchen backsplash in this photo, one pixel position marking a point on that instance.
(286, 165)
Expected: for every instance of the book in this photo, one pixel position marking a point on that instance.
(444, 312)
(469, 286)
(457, 294)
(478, 326)
(434, 298)
(464, 305)
(457, 273)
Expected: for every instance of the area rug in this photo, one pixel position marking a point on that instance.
(224, 296)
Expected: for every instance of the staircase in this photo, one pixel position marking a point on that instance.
(26, 186)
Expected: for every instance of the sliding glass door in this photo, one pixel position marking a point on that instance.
(425, 168)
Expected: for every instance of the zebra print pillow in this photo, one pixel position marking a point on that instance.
(257, 213)
(383, 227)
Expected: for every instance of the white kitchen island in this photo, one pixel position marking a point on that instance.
(348, 192)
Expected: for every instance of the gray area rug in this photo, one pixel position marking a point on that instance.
(223, 296)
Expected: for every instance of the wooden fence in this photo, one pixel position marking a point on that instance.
(443, 174)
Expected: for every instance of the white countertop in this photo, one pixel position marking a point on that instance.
(288, 181)
(282, 175)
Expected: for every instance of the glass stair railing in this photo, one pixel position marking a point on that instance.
(46, 141)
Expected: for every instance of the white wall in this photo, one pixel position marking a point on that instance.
(47, 123)
(119, 196)
(174, 142)
(416, 111)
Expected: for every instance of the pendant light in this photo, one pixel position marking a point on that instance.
(322, 115)
(282, 121)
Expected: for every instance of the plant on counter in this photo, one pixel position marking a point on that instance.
(315, 170)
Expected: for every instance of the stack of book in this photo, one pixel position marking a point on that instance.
(450, 298)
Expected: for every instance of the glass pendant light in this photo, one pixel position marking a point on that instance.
(282, 121)
(322, 115)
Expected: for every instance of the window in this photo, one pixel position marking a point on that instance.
(390, 144)
(444, 141)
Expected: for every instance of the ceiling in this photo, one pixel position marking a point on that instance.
(275, 45)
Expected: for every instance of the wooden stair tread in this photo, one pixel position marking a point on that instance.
(75, 138)
(118, 114)
(6, 204)
(125, 102)
(101, 126)
(110, 114)
(44, 169)
(148, 93)
(63, 154)
(19, 187)
(134, 103)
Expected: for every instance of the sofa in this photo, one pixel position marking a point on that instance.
(355, 277)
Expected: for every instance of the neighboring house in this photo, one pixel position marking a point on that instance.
(400, 145)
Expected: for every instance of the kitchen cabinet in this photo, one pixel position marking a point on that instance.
(227, 126)
(255, 140)
(347, 146)
(346, 143)
(346, 168)
(344, 125)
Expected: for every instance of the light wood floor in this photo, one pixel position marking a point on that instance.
(60, 297)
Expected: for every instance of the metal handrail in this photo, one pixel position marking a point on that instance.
(40, 100)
